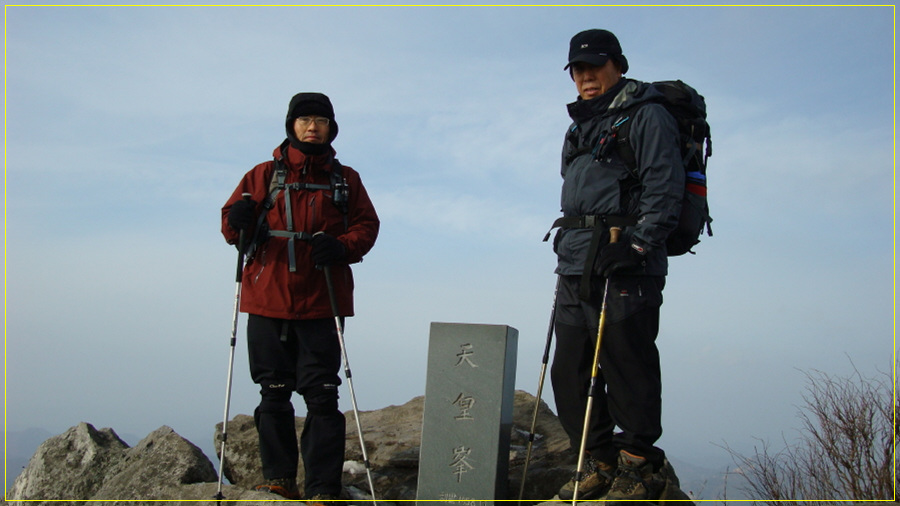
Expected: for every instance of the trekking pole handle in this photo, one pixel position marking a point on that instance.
(614, 233)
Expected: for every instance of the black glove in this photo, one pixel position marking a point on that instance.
(242, 214)
(617, 256)
(327, 249)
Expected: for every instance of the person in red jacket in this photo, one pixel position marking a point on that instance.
(304, 211)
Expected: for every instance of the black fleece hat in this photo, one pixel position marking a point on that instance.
(595, 47)
(310, 104)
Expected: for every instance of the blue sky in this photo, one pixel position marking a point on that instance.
(128, 127)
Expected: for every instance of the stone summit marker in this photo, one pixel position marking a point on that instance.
(464, 456)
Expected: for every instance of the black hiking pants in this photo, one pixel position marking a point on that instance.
(629, 387)
(302, 356)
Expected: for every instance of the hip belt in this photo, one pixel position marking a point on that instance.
(600, 224)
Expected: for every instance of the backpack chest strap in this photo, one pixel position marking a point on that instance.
(292, 237)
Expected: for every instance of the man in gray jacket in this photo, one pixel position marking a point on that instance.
(603, 188)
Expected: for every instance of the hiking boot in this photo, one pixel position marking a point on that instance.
(634, 481)
(595, 481)
(322, 500)
(285, 487)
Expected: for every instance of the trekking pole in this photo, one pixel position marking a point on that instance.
(537, 401)
(234, 322)
(613, 237)
(340, 332)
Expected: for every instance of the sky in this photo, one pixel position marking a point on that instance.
(127, 128)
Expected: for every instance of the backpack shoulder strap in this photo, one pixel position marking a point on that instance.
(276, 183)
(277, 180)
(623, 133)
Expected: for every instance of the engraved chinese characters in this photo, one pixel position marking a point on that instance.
(468, 413)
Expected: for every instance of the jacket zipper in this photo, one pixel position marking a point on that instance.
(262, 266)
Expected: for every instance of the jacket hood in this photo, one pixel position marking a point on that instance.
(317, 104)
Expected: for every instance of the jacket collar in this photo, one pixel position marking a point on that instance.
(298, 159)
(622, 93)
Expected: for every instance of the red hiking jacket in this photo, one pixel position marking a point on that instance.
(268, 287)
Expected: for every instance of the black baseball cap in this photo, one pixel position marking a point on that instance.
(596, 47)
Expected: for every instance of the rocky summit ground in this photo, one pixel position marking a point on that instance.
(88, 464)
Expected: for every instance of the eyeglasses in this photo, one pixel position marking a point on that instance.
(306, 120)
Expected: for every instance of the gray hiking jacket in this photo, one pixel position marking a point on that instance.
(596, 184)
